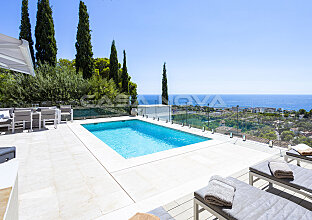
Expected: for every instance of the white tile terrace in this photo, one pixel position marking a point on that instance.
(67, 173)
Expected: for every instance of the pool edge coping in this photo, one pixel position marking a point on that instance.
(204, 138)
(114, 162)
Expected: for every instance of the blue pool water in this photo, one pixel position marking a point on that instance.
(134, 138)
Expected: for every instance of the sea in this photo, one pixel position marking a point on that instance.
(285, 102)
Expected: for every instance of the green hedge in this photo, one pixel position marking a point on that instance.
(51, 86)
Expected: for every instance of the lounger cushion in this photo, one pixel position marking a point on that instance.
(253, 203)
(302, 176)
(296, 154)
(161, 213)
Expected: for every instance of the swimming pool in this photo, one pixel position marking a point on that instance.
(134, 138)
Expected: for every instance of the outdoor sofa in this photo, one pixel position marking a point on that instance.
(251, 203)
(294, 155)
(302, 182)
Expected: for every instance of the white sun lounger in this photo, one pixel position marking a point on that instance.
(294, 155)
(302, 182)
(252, 203)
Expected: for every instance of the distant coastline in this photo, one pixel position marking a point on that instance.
(285, 102)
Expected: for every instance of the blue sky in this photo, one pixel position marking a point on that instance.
(210, 46)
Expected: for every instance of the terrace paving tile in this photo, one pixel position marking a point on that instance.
(57, 177)
(187, 197)
(113, 201)
(41, 202)
(186, 214)
(178, 210)
(170, 205)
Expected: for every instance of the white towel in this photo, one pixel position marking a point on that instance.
(301, 147)
(280, 169)
(220, 191)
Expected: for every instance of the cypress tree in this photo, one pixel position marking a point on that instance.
(124, 75)
(25, 29)
(84, 55)
(44, 33)
(113, 65)
(164, 94)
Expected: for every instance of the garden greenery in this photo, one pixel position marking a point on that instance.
(53, 86)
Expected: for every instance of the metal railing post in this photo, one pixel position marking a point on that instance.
(208, 115)
(155, 109)
(169, 110)
(237, 119)
(186, 114)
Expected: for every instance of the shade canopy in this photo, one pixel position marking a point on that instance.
(15, 55)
